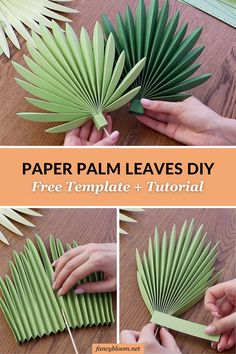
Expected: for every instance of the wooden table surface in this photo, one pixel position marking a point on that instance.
(219, 92)
(85, 226)
(220, 225)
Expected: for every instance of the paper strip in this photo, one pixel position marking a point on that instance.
(183, 326)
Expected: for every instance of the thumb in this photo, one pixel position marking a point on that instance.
(97, 287)
(167, 340)
(222, 325)
(110, 140)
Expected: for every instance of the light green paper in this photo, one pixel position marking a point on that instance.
(224, 10)
(17, 15)
(75, 79)
(177, 269)
(183, 326)
(169, 53)
(9, 215)
(125, 218)
(30, 305)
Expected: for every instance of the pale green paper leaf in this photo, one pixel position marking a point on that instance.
(124, 218)
(76, 79)
(18, 15)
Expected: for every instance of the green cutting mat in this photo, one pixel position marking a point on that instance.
(224, 10)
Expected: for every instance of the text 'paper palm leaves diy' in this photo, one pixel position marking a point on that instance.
(15, 15)
(169, 53)
(8, 215)
(176, 271)
(33, 309)
(74, 78)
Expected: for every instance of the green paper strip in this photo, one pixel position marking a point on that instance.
(183, 326)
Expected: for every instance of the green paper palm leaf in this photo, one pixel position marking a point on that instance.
(9, 215)
(75, 79)
(31, 307)
(124, 218)
(170, 54)
(175, 272)
(16, 15)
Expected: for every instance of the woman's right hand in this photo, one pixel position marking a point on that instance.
(220, 300)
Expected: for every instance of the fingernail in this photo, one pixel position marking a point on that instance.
(79, 291)
(53, 277)
(219, 348)
(54, 285)
(227, 347)
(215, 314)
(213, 345)
(114, 135)
(59, 293)
(211, 329)
(54, 263)
(146, 102)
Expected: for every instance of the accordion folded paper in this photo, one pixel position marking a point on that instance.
(8, 215)
(16, 15)
(175, 273)
(74, 78)
(169, 53)
(224, 10)
(31, 307)
(125, 218)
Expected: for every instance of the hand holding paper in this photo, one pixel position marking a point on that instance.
(80, 262)
(220, 300)
(189, 122)
(166, 344)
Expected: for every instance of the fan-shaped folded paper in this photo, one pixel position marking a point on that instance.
(74, 78)
(16, 15)
(169, 53)
(8, 215)
(33, 309)
(176, 271)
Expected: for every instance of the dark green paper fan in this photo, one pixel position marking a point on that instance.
(169, 52)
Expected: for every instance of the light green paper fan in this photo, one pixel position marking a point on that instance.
(18, 15)
(174, 274)
(9, 215)
(31, 307)
(75, 79)
(125, 218)
(170, 54)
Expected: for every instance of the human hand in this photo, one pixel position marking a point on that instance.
(167, 344)
(81, 261)
(220, 300)
(88, 135)
(189, 122)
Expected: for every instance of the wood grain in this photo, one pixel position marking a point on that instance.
(85, 226)
(219, 92)
(220, 224)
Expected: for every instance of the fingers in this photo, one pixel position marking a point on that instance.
(71, 137)
(223, 343)
(168, 129)
(85, 130)
(147, 333)
(232, 339)
(173, 108)
(167, 340)
(109, 140)
(104, 286)
(216, 293)
(78, 274)
(61, 262)
(222, 325)
(129, 337)
(69, 267)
